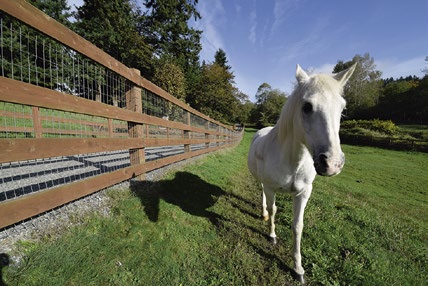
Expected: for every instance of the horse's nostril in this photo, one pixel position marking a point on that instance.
(323, 159)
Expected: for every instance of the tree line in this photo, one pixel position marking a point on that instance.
(368, 96)
(158, 39)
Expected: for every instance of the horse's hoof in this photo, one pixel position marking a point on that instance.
(274, 240)
(265, 217)
(299, 277)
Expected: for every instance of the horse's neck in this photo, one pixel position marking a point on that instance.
(292, 151)
(289, 141)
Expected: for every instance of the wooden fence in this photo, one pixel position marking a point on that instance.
(48, 110)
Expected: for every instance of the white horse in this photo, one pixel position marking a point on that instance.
(304, 142)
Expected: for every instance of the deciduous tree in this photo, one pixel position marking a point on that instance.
(425, 70)
(218, 94)
(170, 77)
(268, 106)
(364, 87)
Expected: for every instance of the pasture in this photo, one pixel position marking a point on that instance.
(202, 225)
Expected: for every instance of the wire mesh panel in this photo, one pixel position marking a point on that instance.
(157, 106)
(61, 124)
(20, 178)
(213, 126)
(15, 121)
(120, 128)
(32, 57)
(29, 56)
(153, 104)
(197, 121)
(175, 133)
(155, 153)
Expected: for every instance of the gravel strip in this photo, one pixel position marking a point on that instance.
(55, 222)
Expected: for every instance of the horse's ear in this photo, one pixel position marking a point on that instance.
(301, 75)
(345, 75)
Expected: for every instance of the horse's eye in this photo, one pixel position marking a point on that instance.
(307, 108)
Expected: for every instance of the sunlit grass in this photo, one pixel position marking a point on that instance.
(201, 225)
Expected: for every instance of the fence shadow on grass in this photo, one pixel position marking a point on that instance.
(4, 261)
(187, 191)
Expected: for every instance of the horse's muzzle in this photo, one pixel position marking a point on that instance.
(329, 166)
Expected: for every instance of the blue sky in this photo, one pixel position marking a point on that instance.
(265, 39)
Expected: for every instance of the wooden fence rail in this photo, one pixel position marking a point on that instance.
(40, 121)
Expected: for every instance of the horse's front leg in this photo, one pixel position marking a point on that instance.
(265, 213)
(299, 204)
(269, 211)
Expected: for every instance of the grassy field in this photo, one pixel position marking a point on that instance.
(202, 226)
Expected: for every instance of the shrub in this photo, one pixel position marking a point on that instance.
(382, 126)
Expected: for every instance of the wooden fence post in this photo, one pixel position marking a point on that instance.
(207, 135)
(186, 133)
(134, 103)
(37, 122)
(219, 129)
(110, 128)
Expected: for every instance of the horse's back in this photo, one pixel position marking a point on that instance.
(261, 133)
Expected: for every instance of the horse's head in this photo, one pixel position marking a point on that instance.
(319, 108)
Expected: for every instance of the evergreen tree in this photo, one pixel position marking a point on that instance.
(165, 24)
(112, 26)
(57, 9)
(221, 59)
(30, 56)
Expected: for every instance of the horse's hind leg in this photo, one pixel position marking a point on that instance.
(269, 209)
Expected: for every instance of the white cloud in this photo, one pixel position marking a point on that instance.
(238, 8)
(213, 18)
(281, 10)
(401, 68)
(325, 68)
(312, 41)
(389, 67)
(253, 25)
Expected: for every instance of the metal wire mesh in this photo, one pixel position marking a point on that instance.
(197, 121)
(29, 56)
(15, 121)
(157, 106)
(20, 178)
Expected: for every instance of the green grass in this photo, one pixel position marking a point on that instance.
(201, 226)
